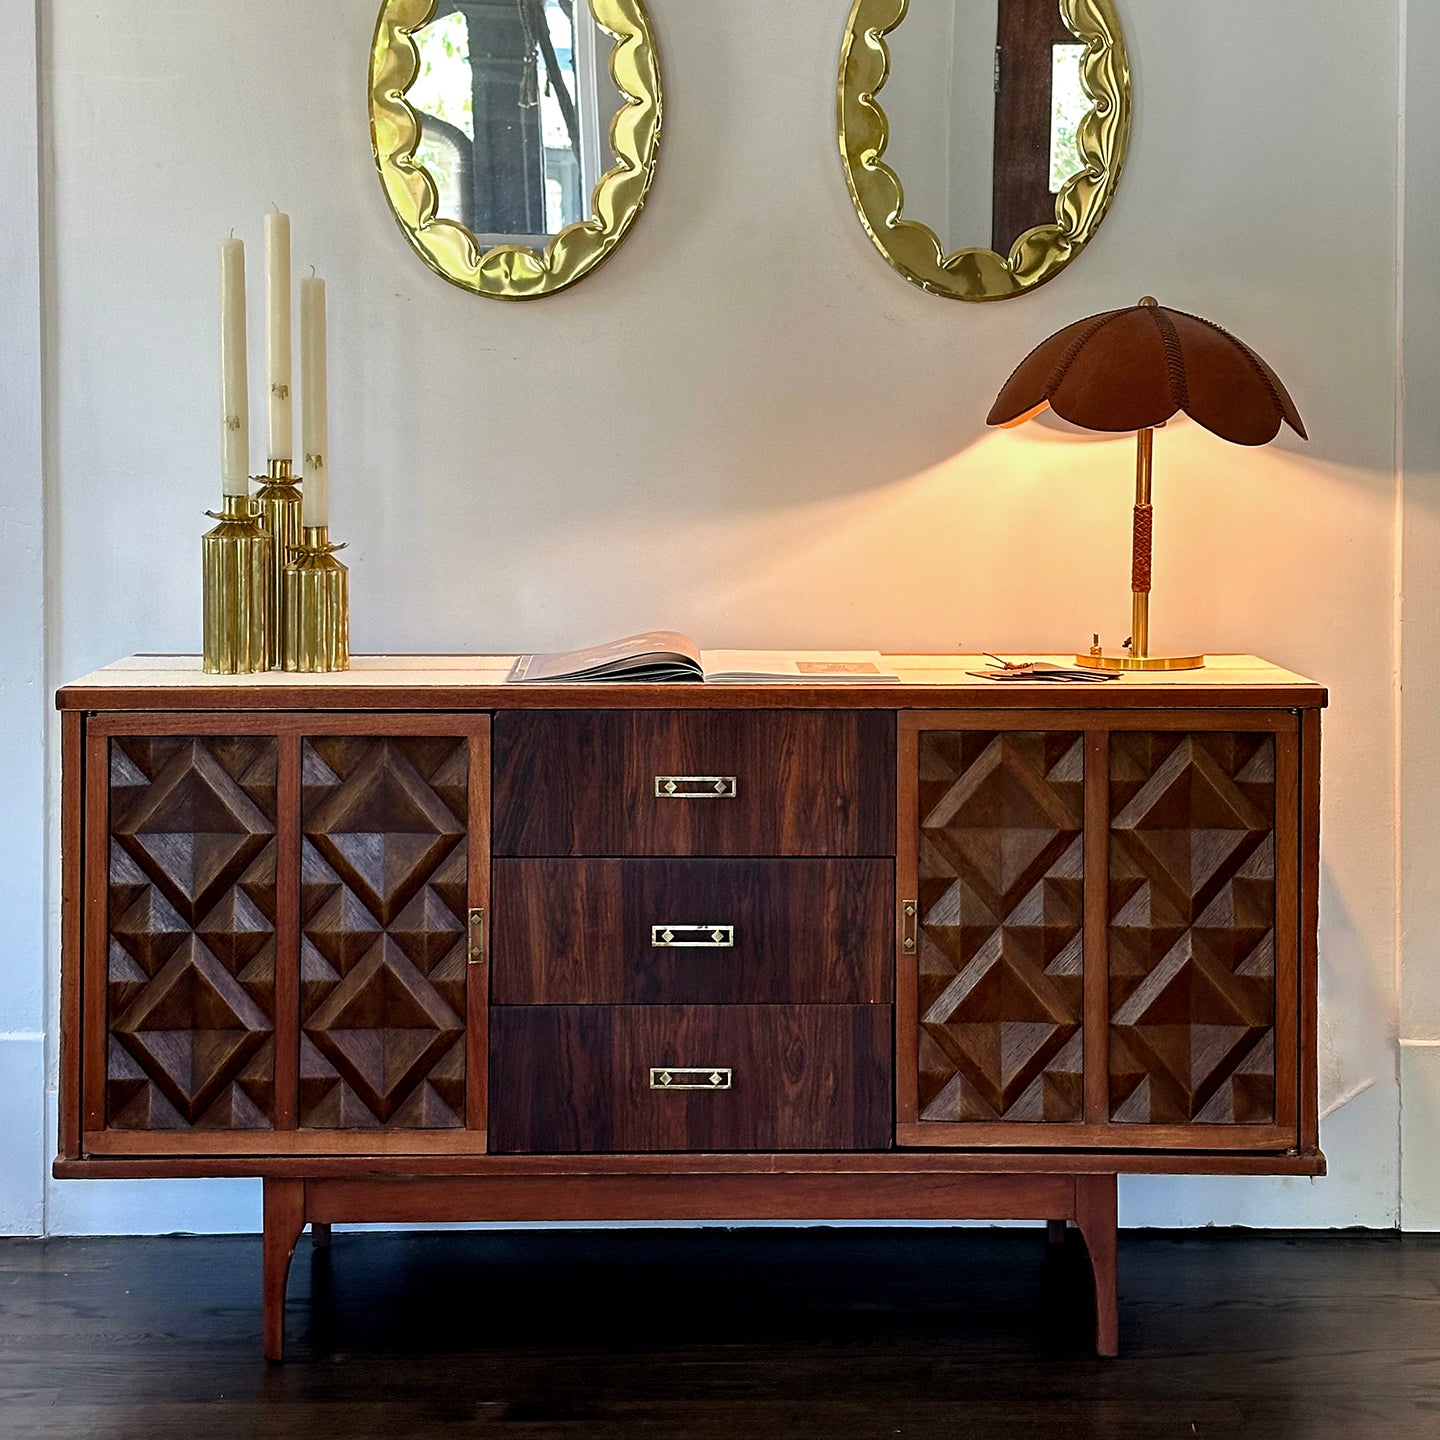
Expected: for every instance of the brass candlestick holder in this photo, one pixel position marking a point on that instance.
(317, 605)
(239, 567)
(277, 506)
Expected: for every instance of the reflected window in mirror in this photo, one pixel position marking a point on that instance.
(1069, 105)
(515, 99)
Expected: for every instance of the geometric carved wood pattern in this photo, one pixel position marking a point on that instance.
(1192, 928)
(190, 973)
(383, 957)
(1001, 926)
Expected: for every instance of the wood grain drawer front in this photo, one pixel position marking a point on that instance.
(763, 782)
(569, 1079)
(649, 932)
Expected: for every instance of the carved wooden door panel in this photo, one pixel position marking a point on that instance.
(388, 873)
(1001, 926)
(1195, 930)
(1101, 949)
(286, 934)
(191, 910)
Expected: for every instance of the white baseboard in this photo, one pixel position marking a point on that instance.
(1420, 1137)
(22, 1135)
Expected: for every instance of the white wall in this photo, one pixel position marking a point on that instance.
(755, 429)
(23, 700)
(1420, 673)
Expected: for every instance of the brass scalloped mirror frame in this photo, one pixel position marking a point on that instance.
(515, 272)
(1039, 255)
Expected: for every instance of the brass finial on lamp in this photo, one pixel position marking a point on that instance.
(1135, 369)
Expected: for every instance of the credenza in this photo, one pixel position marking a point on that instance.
(410, 944)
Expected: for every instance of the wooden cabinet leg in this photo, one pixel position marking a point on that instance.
(1096, 1217)
(319, 1234)
(284, 1208)
(1055, 1232)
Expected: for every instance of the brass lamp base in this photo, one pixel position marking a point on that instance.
(1124, 660)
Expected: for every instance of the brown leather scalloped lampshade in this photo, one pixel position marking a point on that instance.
(1135, 369)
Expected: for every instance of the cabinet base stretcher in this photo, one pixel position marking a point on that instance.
(1087, 1200)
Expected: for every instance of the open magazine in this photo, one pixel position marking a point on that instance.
(661, 656)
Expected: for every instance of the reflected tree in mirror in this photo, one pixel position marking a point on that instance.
(1069, 105)
(508, 128)
(983, 139)
(514, 98)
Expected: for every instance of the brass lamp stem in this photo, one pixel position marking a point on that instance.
(1136, 655)
(1141, 570)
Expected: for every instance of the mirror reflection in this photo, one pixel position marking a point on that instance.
(515, 101)
(984, 100)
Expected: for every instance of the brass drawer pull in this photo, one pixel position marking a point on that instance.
(909, 914)
(695, 787)
(703, 1077)
(477, 937)
(692, 937)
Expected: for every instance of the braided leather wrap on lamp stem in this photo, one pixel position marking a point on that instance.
(1144, 545)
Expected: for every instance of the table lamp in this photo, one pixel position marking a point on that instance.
(1135, 369)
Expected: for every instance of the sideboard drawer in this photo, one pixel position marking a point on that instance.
(695, 782)
(648, 932)
(589, 1078)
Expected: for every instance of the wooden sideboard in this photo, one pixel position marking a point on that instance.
(410, 944)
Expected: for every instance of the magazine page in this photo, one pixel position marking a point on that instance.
(655, 655)
(795, 667)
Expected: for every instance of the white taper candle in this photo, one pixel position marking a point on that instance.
(234, 376)
(277, 335)
(315, 419)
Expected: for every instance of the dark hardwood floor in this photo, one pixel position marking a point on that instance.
(706, 1334)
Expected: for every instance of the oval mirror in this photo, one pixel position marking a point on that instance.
(516, 139)
(983, 139)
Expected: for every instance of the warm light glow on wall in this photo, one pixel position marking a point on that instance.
(1020, 541)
